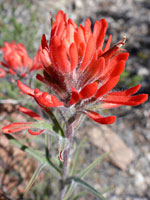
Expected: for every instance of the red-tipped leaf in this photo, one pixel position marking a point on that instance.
(88, 91)
(25, 89)
(30, 113)
(100, 119)
(127, 92)
(109, 85)
(126, 100)
(35, 132)
(16, 127)
(46, 100)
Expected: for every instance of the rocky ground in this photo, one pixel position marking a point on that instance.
(124, 17)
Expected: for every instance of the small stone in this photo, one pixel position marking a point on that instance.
(139, 182)
(139, 179)
(107, 140)
(119, 190)
(79, 4)
(143, 71)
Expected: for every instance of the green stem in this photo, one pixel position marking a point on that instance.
(47, 140)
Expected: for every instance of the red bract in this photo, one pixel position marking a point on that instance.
(18, 126)
(16, 59)
(42, 98)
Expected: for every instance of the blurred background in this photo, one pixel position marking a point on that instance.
(128, 140)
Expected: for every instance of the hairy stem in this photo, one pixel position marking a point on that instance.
(69, 135)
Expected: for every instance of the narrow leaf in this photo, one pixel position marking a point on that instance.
(57, 126)
(73, 168)
(88, 187)
(85, 171)
(70, 190)
(43, 125)
(35, 154)
(77, 157)
(34, 176)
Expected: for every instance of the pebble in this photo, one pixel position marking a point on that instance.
(139, 182)
(143, 71)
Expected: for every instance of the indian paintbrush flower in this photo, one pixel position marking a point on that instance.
(16, 60)
(81, 71)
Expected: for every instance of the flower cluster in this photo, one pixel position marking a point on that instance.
(79, 70)
(16, 60)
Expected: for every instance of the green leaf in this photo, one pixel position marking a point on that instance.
(62, 141)
(70, 190)
(87, 186)
(77, 157)
(35, 154)
(85, 171)
(57, 126)
(73, 184)
(43, 125)
(34, 176)
(49, 127)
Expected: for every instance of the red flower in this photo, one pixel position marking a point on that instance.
(17, 61)
(81, 71)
